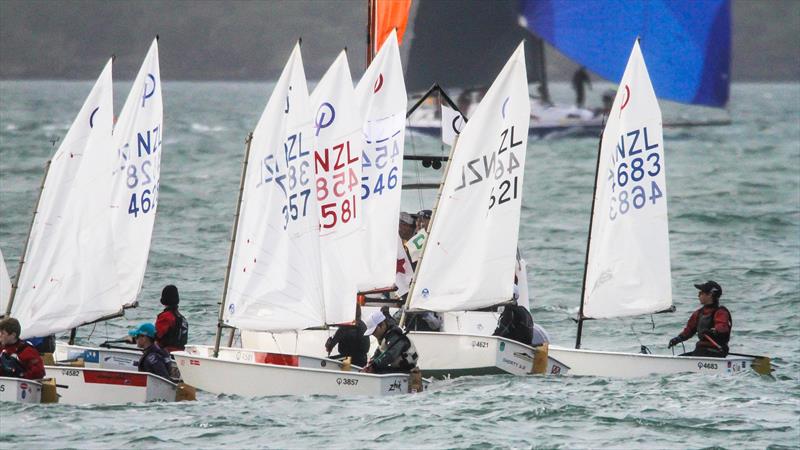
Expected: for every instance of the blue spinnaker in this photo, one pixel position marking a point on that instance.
(687, 44)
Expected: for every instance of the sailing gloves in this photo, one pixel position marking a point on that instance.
(675, 341)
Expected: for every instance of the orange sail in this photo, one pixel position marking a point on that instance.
(386, 15)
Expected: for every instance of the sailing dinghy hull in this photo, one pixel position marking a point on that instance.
(632, 365)
(250, 373)
(20, 390)
(83, 385)
(450, 355)
(97, 358)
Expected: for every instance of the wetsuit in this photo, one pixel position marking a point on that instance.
(21, 360)
(351, 342)
(713, 321)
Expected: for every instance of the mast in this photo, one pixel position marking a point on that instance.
(588, 243)
(371, 12)
(220, 323)
(15, 284)
(543, 73)
(430, 228)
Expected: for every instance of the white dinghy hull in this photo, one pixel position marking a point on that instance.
(450, 355)
(20, 390)
(632, 365)
(250, 373)
(97, 357)
(83, 385)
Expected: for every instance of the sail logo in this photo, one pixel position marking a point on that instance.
(152, 91)
(426, 292)
(286, 111)
(231, 309)
(503, 109)
(627, 99)
(91, 117)
(320, 122)
(378, 83)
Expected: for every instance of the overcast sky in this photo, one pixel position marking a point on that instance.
(250, 40)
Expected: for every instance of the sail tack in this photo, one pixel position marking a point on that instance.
(275, 277)
(628, 268)
(381, 97)
(70, 274)
(470, 255)
(137, 140)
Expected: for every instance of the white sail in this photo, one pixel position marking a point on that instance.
(275, 279)
(137, 140)
(5, 285)
(382, 99)
(628, 271)
(70, 275)
(470, 255)
(337, 166)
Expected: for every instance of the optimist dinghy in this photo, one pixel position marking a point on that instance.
(20, 390)
(470, 255)
(293, 242)
(76, 269)
(628, 269)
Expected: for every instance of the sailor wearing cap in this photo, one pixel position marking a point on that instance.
(396, 352)
(711, 322)
(154, 359)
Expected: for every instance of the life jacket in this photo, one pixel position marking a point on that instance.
(408, 357)
(178, 334)
(171, 365)
(705, 322)
(10, 365)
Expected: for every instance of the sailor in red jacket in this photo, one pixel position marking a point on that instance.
(711, 322)
(18, 358)
(172, 329)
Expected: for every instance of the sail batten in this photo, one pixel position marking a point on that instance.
(628, 267)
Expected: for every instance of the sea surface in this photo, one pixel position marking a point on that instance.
(734, 211)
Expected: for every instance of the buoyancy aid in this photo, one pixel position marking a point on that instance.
(407, 359)
(178, 334)
(705, 323)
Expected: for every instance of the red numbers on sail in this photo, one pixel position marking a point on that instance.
(338, 184)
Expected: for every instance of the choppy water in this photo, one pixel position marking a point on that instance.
(734, 197)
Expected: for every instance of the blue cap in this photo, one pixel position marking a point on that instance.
(147, 329)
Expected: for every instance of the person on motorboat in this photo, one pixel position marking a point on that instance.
(18, 359)
(579, 78)
(396, 352)
(351, 341)
(711, 322)
(515, 323)
(172, 329)
(154, 359)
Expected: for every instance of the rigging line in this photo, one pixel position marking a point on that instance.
(415, 165)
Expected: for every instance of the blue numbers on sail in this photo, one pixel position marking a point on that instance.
(140, 168)
(380, 160)
(636, 163)
(291, 172)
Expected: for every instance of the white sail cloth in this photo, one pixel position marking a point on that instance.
(382, 99)
(337, 167)
(137, 139)
(70, 274)
(470, 255)
(275, 280)
(628, 271)
(5, 284)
